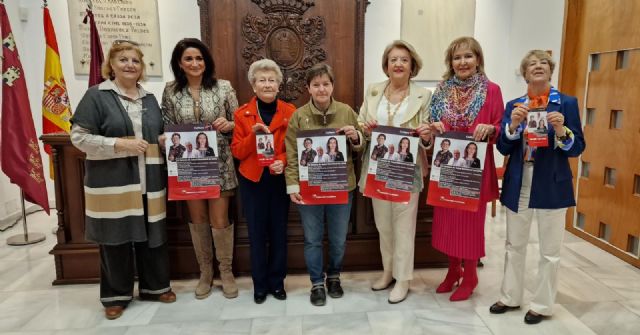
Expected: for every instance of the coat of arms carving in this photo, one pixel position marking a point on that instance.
(284, 35)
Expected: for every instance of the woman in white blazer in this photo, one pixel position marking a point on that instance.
(396, 102)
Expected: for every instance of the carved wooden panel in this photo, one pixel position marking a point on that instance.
(284, 35)
(296, 34)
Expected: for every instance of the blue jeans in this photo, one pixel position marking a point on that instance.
(313, 220)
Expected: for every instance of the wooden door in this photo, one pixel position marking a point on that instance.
(600, 66)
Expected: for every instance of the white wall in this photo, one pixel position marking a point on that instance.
(526, 33)
(504, 28)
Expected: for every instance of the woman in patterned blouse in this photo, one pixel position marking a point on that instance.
(198, 97)
(465, 101)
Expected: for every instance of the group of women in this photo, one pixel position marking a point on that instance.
(120, 127)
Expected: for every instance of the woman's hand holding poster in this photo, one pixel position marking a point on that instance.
(322, 167)
(392, 163)
(192, 162)
(456, 171)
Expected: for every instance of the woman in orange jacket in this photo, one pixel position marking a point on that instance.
(262, 188)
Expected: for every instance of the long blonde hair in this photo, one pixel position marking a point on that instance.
(462, 42)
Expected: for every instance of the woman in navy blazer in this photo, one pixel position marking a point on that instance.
(538, 181)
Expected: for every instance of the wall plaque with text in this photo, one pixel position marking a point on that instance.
(133, 20)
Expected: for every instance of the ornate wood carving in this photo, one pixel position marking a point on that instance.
(288, 38)
(205, 34)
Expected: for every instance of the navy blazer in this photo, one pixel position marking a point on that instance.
(552, 185)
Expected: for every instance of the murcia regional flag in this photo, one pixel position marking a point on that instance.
(19, 150)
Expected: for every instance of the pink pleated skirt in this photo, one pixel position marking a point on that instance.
(459, 233)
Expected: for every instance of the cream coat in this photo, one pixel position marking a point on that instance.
(416, 114)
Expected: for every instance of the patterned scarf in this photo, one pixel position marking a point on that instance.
(458, 102)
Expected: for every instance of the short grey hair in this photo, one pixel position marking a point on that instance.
(264, 65)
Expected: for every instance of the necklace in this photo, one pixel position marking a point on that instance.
(391, 113)
(128, 100)
(197, 111)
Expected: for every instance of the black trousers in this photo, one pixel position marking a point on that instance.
(119, 264)
(266, 207)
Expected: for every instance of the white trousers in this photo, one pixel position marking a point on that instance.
(550, 233)
(396, 225)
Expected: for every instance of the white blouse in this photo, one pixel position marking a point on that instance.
(397, 111)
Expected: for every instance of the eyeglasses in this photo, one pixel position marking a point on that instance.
(117, 42)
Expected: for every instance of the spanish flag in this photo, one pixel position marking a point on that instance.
(56, 111)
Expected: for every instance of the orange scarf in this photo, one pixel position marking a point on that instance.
(538, 101)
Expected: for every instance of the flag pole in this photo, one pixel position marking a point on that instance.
(26, 237)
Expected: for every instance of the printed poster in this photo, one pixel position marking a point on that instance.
(537, 129)
(265, 149)
(192, 162)
(456, 171)
(392, 162)
(322, 167)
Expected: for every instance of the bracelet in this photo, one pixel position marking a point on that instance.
(567, 134)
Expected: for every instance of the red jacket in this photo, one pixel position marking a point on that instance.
(243, 146)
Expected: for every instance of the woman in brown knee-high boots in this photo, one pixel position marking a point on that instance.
(196, 96)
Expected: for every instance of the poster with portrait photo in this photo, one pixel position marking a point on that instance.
(456, 171)
(265, 149)
(393, 154)
(192, 162)
(322, 166)
(537, 129)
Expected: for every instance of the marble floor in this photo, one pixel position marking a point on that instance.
(598, 294)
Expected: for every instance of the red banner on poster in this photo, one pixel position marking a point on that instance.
(192, 162)
(392, 164)
(264, 149)
(537, 130)
(322, 167)
(456, 171)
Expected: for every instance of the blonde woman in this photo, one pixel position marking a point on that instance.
(397, 102)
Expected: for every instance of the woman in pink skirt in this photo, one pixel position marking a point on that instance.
(465, 101)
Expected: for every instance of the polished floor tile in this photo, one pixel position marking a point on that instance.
(344, 323)
(632, 305)
(606, 318)
(286, 325)
(597, 294)
(512, 322)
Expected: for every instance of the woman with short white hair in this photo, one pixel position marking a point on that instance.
(265, 202)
